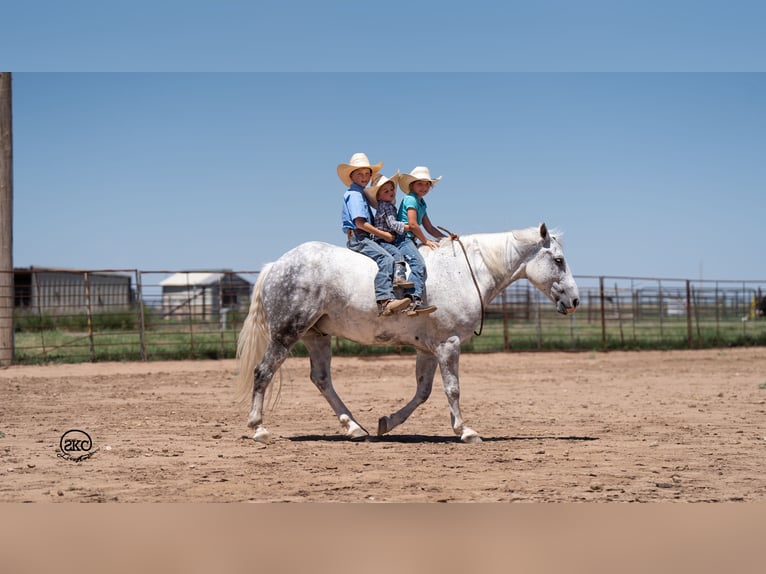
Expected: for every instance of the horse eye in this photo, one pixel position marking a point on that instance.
(559, 260)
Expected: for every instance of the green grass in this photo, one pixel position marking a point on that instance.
(60, 346)
(171, 341)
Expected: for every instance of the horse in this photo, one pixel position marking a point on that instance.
(317, 290)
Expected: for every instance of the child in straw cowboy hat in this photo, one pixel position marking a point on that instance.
(412, 210)
(357, 224)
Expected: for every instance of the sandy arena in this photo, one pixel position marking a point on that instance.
(623, 426)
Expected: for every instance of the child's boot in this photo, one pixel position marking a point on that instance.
(400, 277)
(388, 306)
(418, 308)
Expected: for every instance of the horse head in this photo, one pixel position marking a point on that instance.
(547, 270)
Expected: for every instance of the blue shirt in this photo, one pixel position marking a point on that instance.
(355, 205)
(412, 201)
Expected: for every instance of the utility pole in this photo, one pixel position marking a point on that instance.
(6, 223)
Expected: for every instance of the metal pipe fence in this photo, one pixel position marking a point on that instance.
(99, 315)
(630, 313)
(86, 315)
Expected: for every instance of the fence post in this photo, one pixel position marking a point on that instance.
(528, 294)
(221, 313)
(506, 345)
(89, 313)
(717, 314)
(141, 319)
(619, 315)
(745, 304)
(661, 309)
(538, 322)
(35, 288)
(634, 308)
(689, 313)
(603, 311)
(191, 324)
(696, 302)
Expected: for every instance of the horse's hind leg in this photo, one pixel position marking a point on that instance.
(264, 372)
(320, 355)
(448, 355)
(425, 368)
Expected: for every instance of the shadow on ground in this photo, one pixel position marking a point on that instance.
(419, 438)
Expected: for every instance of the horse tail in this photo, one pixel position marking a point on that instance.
(253, 338)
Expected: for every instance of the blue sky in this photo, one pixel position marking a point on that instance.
(648, 170)
(390, 35)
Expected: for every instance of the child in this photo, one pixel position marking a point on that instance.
(356, 222)
(412, 210)
(381, 195)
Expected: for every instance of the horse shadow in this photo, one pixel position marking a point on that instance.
(432, 439)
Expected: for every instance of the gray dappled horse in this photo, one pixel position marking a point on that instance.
(317, 290)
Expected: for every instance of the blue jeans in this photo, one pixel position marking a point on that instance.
(384, 279)
(404, 247)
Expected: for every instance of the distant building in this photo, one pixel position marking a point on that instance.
(203, 295)
(60, 291)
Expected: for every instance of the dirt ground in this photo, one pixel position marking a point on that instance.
(622, 426)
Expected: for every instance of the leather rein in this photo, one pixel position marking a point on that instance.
(473, 276)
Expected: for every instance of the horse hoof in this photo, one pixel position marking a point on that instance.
(262, 435)
(470, 436)
(382, 426)
(351, 429)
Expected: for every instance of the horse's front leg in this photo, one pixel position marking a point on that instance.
(425, 368)
(320, 355)
(448, 356)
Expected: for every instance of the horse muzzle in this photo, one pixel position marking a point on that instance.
(565, 307)
(566, 298)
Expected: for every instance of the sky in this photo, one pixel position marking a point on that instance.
(213, 143)
(386, 36)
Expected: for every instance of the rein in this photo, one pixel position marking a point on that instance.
(473, 276)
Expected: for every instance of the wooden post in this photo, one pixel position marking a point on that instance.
(7, 349)
(89, 314)
(36, 298)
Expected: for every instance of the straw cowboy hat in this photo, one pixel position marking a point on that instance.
(378, 182)
(420, 173)
(358, 160)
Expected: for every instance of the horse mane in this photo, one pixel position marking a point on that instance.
(495, 250)
(491, 248)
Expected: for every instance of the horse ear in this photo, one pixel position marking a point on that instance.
(543, 231)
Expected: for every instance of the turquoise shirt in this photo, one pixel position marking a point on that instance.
(411, 201)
